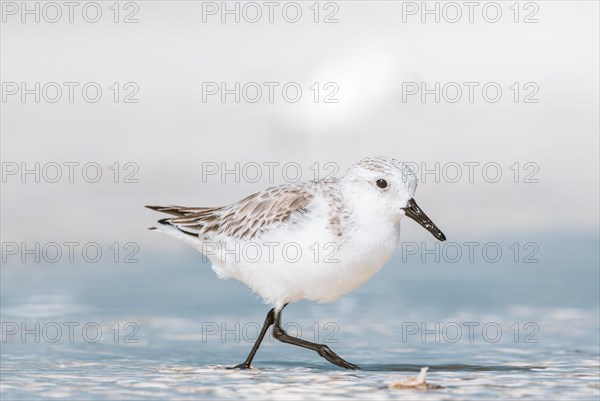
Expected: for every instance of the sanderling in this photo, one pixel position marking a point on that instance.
(343, 230)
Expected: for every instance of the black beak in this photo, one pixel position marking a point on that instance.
(413, 211)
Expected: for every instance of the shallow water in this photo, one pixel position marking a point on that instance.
(186, 359)
(165, 365)
(499, 332)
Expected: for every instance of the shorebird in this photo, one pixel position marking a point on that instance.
(340, 231)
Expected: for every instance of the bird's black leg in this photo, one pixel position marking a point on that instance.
(269, 320)
(322, 349)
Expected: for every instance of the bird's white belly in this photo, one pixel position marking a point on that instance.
(315, 267)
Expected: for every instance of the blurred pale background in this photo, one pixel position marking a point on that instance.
(369, 54)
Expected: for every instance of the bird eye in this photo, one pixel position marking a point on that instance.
(381, 183)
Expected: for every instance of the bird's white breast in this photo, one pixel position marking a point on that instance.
(305, 259)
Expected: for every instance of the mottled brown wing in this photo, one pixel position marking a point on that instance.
(246, 219)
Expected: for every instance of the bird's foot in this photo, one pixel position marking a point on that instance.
(334, 358)
(241, 366)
